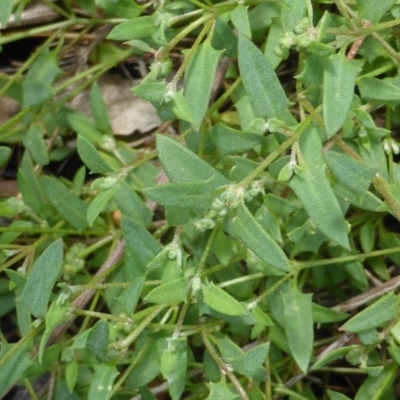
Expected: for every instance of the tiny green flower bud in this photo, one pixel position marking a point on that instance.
(172, 254)
(247, 196)
(166, 68)
(259, 125)
(303, 41)
(286, 42)
(302, 26)
(217, 204)
(207, 223)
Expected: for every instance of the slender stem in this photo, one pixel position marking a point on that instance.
(17, 346)
(125, 343)
(199, 271)
(184, 32)
(345, 259)
(190, 55)
(224, 368)
(225, 96)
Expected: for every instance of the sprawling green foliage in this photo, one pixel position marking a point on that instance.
(231, 255)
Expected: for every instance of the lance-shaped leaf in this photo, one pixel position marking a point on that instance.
(197, 195)
(136, 28)
(249, 231)
(99, 109)
(378, 89)
(338, 89)
(265, 92)
(91, 157)
(240, 19)
(174, 366)
(182, 165)
(15, 365)
(228, 140)
(5, 12)
(4, 154)
(292, 12)
(221, 301)
(312, 188)
(169, 293)
(140, 243)
(199, 79)
(99, 202)
(71, 207)
(299, 327)
(373, 10)
(382, 311)
(37, 290)
(101, 383)
(375, 387)
(350, 173)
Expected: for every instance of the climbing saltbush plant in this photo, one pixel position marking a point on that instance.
(249, 249)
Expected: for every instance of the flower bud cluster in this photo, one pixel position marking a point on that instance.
(226, 203)
(301, 38)
(390, 146)
(73, 262)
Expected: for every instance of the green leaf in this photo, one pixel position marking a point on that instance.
(44, 69)
(338, 90)
(102, 381)
(5, 12)
(132, 205)
(379, 313)
(30, 188)
(221, 301)
(199, 79)
(373, 10)
(151, 91)
(54, 317)
(312, 188)
(14, 367)
(99, 109)
(182, 165)
(169, 293)
(34, 142)
(136, 28)
(350, 173)
(336, 395)
(292, 12)
(228, 140)
(181, 108)
(240, 20)
(250, 232)
(98, 204)
(121, 8)
(265, 92)
(220, 390)
(197, 195)
(44, 274)
(4, 155)
(36, 93)
(174, 366)
(131, 294)
(299, 327)
(140, 243)
(84, 127)
(250, 364)
(378, 89)
(375, 387)
(72, 208)
(333, 355)
(97, 341)
(91, 157)
(325, 315)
